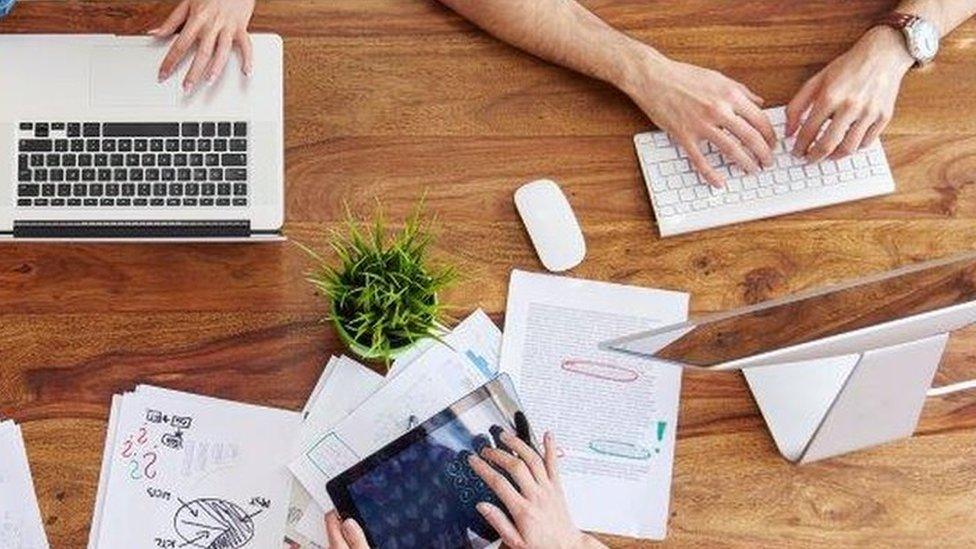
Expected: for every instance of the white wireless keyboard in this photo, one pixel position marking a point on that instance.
(684, 202)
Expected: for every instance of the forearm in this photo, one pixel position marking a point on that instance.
(945, 14)
(562, 32)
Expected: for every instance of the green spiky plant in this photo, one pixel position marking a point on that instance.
(383, 289)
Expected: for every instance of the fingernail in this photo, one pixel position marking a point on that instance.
(482, 507)
(210, 77)
(506, 435)
(247, 70)
(472, 459)
(152, 31)
(547, 437)
(187, 87)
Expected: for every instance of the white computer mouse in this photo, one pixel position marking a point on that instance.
(551, 224)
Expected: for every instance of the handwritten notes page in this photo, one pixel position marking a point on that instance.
(182, 470)
(416, 389)
(614, 416)
(20, 518)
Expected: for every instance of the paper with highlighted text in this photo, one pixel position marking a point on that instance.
(613, 415)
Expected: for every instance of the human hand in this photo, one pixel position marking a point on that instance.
(214, 27)
(856, 92)
(538, 506)
(694, 104)
(346, 534)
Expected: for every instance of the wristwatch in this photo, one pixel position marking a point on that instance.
(921, 36)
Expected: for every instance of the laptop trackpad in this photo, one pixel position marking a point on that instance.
(125, 76)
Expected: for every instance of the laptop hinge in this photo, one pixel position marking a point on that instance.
(132, 229)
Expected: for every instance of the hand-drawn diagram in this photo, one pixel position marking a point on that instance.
(600, 370)
(212, 523)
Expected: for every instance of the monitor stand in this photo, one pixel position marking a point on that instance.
(821, 408)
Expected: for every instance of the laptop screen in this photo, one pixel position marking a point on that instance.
(750, 331)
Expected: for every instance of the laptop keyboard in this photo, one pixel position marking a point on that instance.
(132, 164)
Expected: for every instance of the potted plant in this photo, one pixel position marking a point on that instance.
(382, 288)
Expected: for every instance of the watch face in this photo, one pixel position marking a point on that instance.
(924, 40)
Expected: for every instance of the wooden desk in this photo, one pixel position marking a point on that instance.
(387, 99)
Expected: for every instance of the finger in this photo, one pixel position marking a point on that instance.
(753, 96)
(751, 138)
(700, 163)
(334, 530)
(810, 129)
(827, 143)
(515, 467)
(498, 484)
(854, 137)
(224, 46)
(800, 104)
(501, 523)
(354, 535)
(205, 52)
(758, 120)
(874, 131)
(527, 455)
(551, 458)
(178, 49)
(247, 51)
(733, 150)
(176, 18)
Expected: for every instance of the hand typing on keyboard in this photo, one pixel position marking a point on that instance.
(213, 27)
(696, 105)
(849, 103)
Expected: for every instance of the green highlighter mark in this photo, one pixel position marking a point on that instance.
(661, 426)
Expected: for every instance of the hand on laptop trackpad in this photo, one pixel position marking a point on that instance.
(126, 76)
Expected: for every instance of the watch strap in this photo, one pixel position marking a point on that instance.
(897, 20)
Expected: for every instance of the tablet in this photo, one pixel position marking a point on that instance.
(419, 491)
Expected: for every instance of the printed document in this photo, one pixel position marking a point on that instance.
(20, 518)
(613, 415)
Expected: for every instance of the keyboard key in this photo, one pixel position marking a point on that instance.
(176, 189)
(223, 129)
(243, 202)
(189, 201)
(91, 129)
(191, 129)
(141, 129)
(85, 160)
(196, 160)
(24, 202)
(216, 174)
(145, 189)
(96, 189)
(188, 145)
(24, 126)
(157, 202)
(156, 145)
(173, 201)
(686, 195)
(208, 129)
(140, 145)
(47, 190)
(172, 145)
(36, 145)
(64, 189)
(61, 145)
(664, 199)
(240, 145)
(199, 174)
(74, 129)
(125, 145)
(240, 129)
(93, 145)
(104, 174)
(220, 145)
(213, 159)
(28, 190)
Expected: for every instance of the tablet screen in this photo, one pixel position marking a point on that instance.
(419, 491)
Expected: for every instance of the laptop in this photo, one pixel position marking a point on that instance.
(94, 147)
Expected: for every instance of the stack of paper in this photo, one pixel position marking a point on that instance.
(613, 415)
(354, 412)
(181, 470)
(20, 518)
(344, 385)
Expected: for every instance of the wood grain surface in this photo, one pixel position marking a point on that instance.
(390, 99)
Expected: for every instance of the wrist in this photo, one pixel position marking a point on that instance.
(886, 46)
(586, 541)
(638, 64)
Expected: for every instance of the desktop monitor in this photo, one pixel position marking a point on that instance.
(837, 369)
(899, 306)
